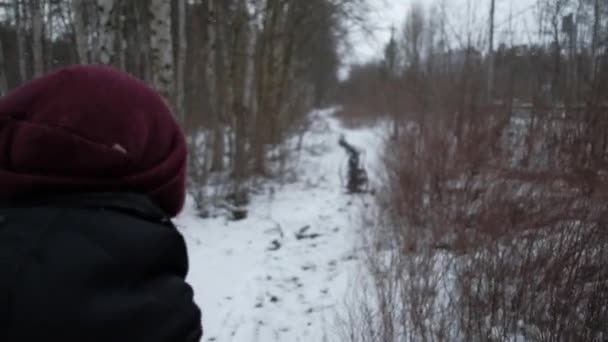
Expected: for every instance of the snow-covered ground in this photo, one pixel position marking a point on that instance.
(283, 273)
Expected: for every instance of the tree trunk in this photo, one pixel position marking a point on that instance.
(242, 50)
(595, 38)
(21, 54)
(121, 51)
(93, 28)
(491, 53)
(217, 161)
(264, 119)
(81, 33)
(143, 34)
(161, 48)
(107, 31)
(47, 34)
(181, 61)
(3, 82)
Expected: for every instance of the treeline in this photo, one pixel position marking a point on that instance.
(563, 61)
(239, 73)
(492, 222)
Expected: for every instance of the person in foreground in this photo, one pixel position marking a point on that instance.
(92, 168)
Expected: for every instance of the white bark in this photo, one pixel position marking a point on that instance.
(81, 31)
(121, 54)
(161, 48)
(18, 8)
(181, 60)
(92, 30)
(36, 16)
(142, 27)
(107, 31)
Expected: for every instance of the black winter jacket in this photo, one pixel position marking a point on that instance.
(98, 267)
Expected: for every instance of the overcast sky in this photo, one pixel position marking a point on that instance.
(386, 13)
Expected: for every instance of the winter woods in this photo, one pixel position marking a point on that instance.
(492, 223)
(239, 74)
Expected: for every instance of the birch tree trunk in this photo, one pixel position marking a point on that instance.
(107, 31)
(3, 82)
(21, 55)
(47, 34)
(81, 31)
(93, 30)
(161, 48)
(181, 61)
(121, 51)
(143, 35)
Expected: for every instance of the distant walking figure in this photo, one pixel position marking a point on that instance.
(357, 176)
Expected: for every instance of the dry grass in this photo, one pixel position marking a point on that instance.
(470, 246)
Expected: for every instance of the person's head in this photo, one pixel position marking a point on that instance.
(90, 129)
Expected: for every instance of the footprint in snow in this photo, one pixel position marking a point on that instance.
(304, 234)
(274, 246)
(309, 267)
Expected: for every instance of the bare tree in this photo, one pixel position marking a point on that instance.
(214, 85)
(80, 31)
(413, 36)
(241, 68)
(491, 51)
(19, 11)
(253, 68)
(107, 31)
(121, 49)
(161, 48)
(182, 43)
(37, 22)
(142, 43)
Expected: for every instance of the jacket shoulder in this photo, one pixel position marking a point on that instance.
(97, 271)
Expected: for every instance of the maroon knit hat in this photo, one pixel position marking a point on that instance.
(90, 129)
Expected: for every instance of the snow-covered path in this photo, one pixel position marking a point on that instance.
(283, 273)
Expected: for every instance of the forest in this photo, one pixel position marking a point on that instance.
(492, 219)
(240, 74)
(488, 216)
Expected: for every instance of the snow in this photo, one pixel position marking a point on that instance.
(283, 273)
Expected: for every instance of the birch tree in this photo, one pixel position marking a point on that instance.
(81, 31)
(37, 22)
(48, 12)
(181, 60)
(121, 49)
(107, 31)
(94, 29)
(20, 30)
(161, 48)
(142, 27)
